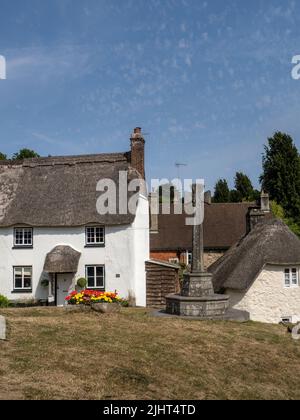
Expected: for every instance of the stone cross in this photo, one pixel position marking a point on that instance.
(198, 247)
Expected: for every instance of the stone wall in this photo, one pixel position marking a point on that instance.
(163, 255)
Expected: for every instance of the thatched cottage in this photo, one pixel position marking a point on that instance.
(261, 273)
(52, 234)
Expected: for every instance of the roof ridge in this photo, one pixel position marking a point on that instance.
(67, 159)
(76, 159)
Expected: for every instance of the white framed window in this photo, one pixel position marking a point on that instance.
(94, 235)
(22, 278)
(95, 275)
(189, 257)
(174, 260)
(291, 277)
(287, 319)
(23, 237)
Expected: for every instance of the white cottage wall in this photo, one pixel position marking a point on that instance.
(141, 253)
(268, 300)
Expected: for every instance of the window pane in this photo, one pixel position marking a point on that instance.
(27, 236)
(90, 282)
(89, 235)
(90, 271)
(27, 282)
(27, 271)
(99, 271)
(99, 235)
(18, 281)
(294, 277)
(19, 236)
(18, 271)
(100, 276)
(287, 277)
(99, 282)
(92, 235)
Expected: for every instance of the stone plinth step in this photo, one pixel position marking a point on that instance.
(206, 307)
(231, 315)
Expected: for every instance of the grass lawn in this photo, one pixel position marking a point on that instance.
(51, 354)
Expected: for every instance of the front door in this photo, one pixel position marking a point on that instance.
(63, 287)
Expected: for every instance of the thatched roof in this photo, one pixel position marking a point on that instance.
(224, 225)
(62, 259)
(270, 242)
(59, 191)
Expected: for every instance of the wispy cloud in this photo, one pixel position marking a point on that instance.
(48, 63)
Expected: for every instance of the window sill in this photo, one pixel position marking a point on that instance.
(21, 291)
(22, 247)
(94, 246)
(96, 289)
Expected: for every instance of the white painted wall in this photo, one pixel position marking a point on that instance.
(125, 252)
(268, 300)
(141, 240)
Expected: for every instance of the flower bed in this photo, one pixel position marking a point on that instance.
(90, 297)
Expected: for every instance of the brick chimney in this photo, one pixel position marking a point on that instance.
(138, 151)
(254, 216)
(257, 214)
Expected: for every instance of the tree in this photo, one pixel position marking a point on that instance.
(278, 211)
(3, 156)
(244, 186)
(255, 195)
(221, 192)
(235, 196)
(281, 173)
(25, 154)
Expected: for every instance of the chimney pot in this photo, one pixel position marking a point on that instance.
(265, 202)
(154, 210)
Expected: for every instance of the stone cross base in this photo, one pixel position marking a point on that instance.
(197, 285)
(205, 307)
(197, 298)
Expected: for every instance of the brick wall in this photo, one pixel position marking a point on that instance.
(209, 256)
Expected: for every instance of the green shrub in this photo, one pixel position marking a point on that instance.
(4, 302)
(45, 283)
(82, 283)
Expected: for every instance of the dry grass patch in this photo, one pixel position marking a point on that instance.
(52, 354)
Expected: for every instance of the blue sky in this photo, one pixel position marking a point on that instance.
(208, 81)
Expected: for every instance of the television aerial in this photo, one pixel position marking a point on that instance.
(178, 166)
